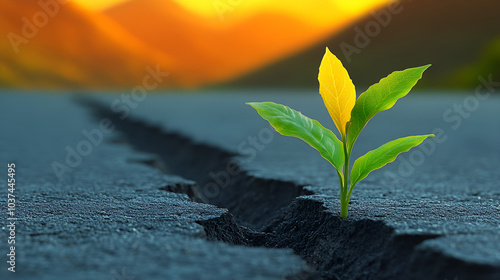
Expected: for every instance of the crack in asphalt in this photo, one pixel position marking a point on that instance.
(269, 213)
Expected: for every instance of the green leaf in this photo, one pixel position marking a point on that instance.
(292, 123)
(379, 97)
(383, 155)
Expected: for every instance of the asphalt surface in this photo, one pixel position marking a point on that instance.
(109, 217)
(434, 213)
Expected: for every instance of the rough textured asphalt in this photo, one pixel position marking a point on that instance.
(108, 218)
(445, 191)
(434, 213)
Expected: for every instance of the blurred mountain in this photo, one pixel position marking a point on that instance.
(450, 34)
(66, 46)
(212, 51)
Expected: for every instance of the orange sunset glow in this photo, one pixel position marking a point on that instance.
(109, 44)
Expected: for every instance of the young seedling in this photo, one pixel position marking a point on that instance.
(350, 117)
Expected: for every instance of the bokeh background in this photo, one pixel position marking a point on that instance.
(108, 44)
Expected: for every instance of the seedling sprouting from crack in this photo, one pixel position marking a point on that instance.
(350, 117)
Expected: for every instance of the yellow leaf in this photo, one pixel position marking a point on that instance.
(337, 90)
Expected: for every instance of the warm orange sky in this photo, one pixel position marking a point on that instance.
(210, 33)
(308, 9)
(98, 4)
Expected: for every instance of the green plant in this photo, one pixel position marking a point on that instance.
(350, 117)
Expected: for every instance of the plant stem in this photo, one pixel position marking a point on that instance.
(342, 190)
(344, 202)
(349, 193)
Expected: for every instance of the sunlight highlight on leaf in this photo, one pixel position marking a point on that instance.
(337, 90)
(339, 96)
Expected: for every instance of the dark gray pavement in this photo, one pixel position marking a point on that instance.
(444, 191)
(434, 213)
(108, 218)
